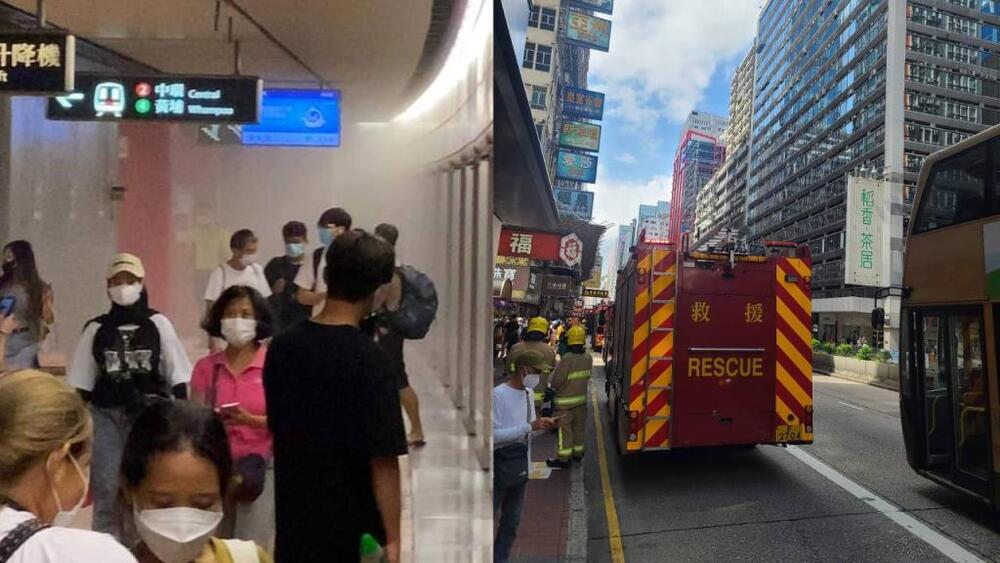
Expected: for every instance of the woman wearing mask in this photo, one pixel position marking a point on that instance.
(32, 305)
(231, 382)
(45, 441)
(175, 471)
(126, 359)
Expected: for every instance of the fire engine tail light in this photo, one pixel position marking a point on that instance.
(808, 420)
(633, 425)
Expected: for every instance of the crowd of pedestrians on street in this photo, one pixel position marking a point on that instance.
(547, 370)
(282, 441)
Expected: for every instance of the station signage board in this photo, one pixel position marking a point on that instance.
(160, 98)
(37, 62)
(580, 135)
(576, 166)
(604, 6)
(586, 104)
(577, 203)
(588, 31)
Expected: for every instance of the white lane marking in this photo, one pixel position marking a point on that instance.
(850, 405)
(935, 539)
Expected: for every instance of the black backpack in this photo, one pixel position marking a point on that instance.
(417, 306)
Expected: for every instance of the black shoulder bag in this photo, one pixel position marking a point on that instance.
(16, 537)
(249, 471)
(510, 462)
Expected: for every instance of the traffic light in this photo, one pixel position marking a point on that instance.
(878, 318)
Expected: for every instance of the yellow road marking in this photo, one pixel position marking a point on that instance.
(614, 531)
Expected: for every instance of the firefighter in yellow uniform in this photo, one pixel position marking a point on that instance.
(534, 339)
(570, 380)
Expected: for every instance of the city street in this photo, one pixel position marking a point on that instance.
(768, 504)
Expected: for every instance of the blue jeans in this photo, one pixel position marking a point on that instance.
(111, 427)
(508, 503)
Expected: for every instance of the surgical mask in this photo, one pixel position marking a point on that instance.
(248, 259)
(325, 236)
(532, 380)
(238, 332)
(65, 517)
(295, 249)
(125, 294)
(176, 535)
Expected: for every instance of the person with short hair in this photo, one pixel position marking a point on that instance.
(388, 299)
(241, 269)
(310, 282)
(176, 469)
(281, 271)
(231, 382)
(333, 409)
(46, 436)
(125, 359)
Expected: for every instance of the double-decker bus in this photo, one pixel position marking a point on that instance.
(949, 313)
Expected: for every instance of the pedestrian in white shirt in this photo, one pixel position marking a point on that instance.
(513, 423)
(45, 443)
(309, 280)
(241, 269)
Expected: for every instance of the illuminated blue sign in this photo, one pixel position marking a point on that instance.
(577, 203)
(578, 102)
(297, 118)
(576, 166)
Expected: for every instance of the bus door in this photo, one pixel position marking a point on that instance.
(953, 383)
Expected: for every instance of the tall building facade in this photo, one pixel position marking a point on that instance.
(721, 204)
(849, 84)
(700, 153)
(539, 69)
(654, 220)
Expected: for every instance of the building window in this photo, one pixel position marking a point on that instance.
(533, 16)
(539, 97)
(538, 57)
(548, 19)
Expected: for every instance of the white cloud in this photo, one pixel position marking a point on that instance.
(664, 52)
(618, 203)
(627, 158)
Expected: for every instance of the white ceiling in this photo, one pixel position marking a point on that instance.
(367, 48)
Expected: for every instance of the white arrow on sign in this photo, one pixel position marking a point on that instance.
(67, 101)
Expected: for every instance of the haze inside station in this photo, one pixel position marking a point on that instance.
(82, 191)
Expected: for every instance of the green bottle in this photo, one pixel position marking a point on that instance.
(371, 551)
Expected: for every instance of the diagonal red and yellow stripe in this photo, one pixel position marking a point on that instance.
(793, 352)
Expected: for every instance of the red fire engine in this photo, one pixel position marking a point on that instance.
(710, 348)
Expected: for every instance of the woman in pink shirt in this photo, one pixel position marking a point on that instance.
(231, 382)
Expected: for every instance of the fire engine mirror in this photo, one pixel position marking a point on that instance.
(878, 318)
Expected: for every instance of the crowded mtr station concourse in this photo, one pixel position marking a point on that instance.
(245, 248)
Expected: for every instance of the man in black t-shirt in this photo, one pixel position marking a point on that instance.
(333, 409)
(280, 273)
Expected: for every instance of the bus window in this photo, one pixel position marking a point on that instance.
(955, 191)
(970, 394)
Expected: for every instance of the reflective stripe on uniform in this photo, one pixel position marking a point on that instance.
(582, 374)
(563, 453)
(539, 396)
(570, 402)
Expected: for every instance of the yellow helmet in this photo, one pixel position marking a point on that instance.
(576, 335)
(538, 324)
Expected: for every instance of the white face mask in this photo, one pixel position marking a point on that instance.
(125, 294)
(239, 332)
(248, 259)
(176, 535)
(65, 517)
(532, 380)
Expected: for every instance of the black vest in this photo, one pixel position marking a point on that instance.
(128, 363)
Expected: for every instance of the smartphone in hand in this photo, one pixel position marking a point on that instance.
(7, 305)
(229, 409)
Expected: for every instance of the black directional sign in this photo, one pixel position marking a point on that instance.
(36, 62)
(163, 98)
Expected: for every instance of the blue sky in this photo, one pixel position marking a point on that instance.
(667, 57)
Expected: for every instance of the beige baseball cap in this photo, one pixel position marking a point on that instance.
(125, 262)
